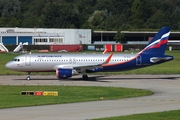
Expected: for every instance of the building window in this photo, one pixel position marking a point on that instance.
(56, 40)
(40, 40)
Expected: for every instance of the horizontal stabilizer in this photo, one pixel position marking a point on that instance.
(157, 59)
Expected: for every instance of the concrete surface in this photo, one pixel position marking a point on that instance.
(165, 87)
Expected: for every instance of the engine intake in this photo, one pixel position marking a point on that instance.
(63, 73)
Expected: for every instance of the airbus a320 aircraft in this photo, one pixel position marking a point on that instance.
(67, 65)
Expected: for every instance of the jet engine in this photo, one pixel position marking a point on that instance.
(63, 73)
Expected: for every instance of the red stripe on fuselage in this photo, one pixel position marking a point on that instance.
(118, 63)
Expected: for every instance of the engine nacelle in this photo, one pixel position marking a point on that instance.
(63, 73)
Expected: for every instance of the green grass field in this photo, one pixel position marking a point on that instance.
(166, 115)
(10, 95)
(171, 67)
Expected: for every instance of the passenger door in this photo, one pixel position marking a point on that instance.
(138, 60)
(28, 60)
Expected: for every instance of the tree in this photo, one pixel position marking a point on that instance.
(119, 37)
(10, 8)
(95, 14)
(61, 16)
(97, 19)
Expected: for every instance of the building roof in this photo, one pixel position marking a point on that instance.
(137, 33)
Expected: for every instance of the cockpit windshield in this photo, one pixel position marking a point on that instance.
(16, 60)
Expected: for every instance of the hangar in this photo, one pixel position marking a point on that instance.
(41, 36)
(44, 36)
(131, 37)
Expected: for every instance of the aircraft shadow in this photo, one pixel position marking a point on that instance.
(103, 78)
(93, 79)
(139, 78)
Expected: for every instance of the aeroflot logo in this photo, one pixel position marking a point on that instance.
(80, 36)
(159, 42)
(49, 56)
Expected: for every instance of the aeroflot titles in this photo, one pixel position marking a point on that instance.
(49, 55)
(61, 56)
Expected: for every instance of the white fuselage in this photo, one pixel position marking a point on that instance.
(50, 62)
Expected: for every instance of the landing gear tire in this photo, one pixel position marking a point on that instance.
(28, 78)
(85, 77)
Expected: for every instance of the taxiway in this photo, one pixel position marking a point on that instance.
(165, 87)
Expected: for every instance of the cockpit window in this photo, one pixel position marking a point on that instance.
(16, 60)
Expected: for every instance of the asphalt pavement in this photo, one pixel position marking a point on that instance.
(166, 97)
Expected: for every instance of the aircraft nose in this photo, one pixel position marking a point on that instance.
(8, 65)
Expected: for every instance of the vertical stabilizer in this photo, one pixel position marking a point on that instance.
(158, 44)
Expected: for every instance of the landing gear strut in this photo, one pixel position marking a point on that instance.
(28, 77)
(84, 76)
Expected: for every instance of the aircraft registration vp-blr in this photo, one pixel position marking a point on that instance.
(67, 65)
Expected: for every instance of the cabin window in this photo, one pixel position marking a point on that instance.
(15, 60)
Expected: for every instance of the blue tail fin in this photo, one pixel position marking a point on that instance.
(158, 44)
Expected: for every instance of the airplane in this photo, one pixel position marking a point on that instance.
(67, 65)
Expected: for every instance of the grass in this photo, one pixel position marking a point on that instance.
(166, 115)
(6, 57)
(10, 95)
(165, 68)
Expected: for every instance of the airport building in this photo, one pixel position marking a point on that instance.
(131, 37)
(77, 39)
(44, 36)
(41, 36)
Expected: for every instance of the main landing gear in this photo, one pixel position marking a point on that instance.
(28, 77)
(84, 76)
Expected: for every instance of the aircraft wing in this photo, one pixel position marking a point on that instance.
(86, 67)
(81, 67)
(89, 66)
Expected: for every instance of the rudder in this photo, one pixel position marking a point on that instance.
(158, 44)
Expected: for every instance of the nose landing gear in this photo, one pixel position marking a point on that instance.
(28, 77)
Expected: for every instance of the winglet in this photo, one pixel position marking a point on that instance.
(105, 51)
(108, 59)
